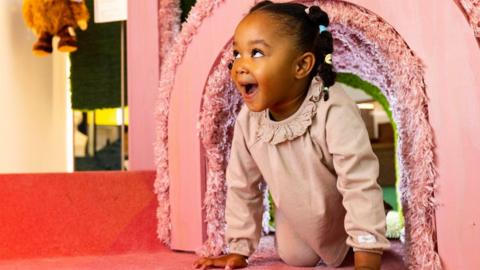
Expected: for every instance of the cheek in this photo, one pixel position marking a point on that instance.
(262, 75)
(233, 76)
(267, 78)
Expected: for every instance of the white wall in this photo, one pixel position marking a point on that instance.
(33, 107)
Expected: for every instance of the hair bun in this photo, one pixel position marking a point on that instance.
(318, 16)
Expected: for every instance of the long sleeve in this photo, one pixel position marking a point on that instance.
(244, 209)
(357, 169)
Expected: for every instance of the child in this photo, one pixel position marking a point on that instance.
(303, 136)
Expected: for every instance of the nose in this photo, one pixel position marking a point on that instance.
(239, 66)
(240, 69)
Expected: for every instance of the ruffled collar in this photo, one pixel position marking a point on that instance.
(275, 132)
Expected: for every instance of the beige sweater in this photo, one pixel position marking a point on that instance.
(320, 170)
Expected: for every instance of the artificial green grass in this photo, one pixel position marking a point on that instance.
(390, 196)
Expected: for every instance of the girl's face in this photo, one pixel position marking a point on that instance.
(264, 63)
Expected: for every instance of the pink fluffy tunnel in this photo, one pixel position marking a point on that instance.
(365, 45)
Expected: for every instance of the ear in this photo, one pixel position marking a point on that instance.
(304, 65)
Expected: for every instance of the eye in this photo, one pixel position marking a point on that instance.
(257, 53)
(236, 54)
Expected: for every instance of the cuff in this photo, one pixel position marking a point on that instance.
(376, 251)
(240, 246)
(365, 241)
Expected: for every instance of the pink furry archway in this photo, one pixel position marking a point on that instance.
(471, 10)
(365, 45)
(221, 104)
(169, 26)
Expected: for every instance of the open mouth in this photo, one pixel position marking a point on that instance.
(250, 89)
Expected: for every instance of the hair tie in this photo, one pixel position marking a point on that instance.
(322, 28)
(328, 59)
(326, 96)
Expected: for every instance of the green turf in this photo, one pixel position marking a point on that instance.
(390, 196)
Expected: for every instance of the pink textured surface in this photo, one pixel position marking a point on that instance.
(169, 24)
(76, 214)
(164, 259)
(471, 9)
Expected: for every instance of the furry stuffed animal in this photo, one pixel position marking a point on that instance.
(49, 18)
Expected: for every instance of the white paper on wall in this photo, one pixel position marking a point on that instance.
(110, 10)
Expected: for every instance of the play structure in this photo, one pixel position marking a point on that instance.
(422, 55)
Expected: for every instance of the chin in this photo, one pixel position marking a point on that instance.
(254, 108)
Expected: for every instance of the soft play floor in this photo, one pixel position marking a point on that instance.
(164, 259)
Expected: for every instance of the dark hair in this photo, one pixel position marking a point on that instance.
(304, 27)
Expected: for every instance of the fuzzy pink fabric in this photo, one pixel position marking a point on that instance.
(365, 45)
(471, 10)
(170, 12)
(169, 27)
(220, 105)
(168, 24)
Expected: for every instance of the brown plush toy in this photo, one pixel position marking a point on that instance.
(49, 18)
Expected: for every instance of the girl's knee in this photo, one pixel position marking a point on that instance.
(298, 258)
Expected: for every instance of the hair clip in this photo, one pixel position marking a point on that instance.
(325, 93)
(328, 59)
(322, 28)
(307, 10)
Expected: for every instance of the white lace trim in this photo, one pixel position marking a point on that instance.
(296, 125)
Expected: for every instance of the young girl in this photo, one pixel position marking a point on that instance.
(301, 134)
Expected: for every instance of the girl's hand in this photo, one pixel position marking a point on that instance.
(229, 261)
(367, 260)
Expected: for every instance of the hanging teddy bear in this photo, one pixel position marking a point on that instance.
(49, 18)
